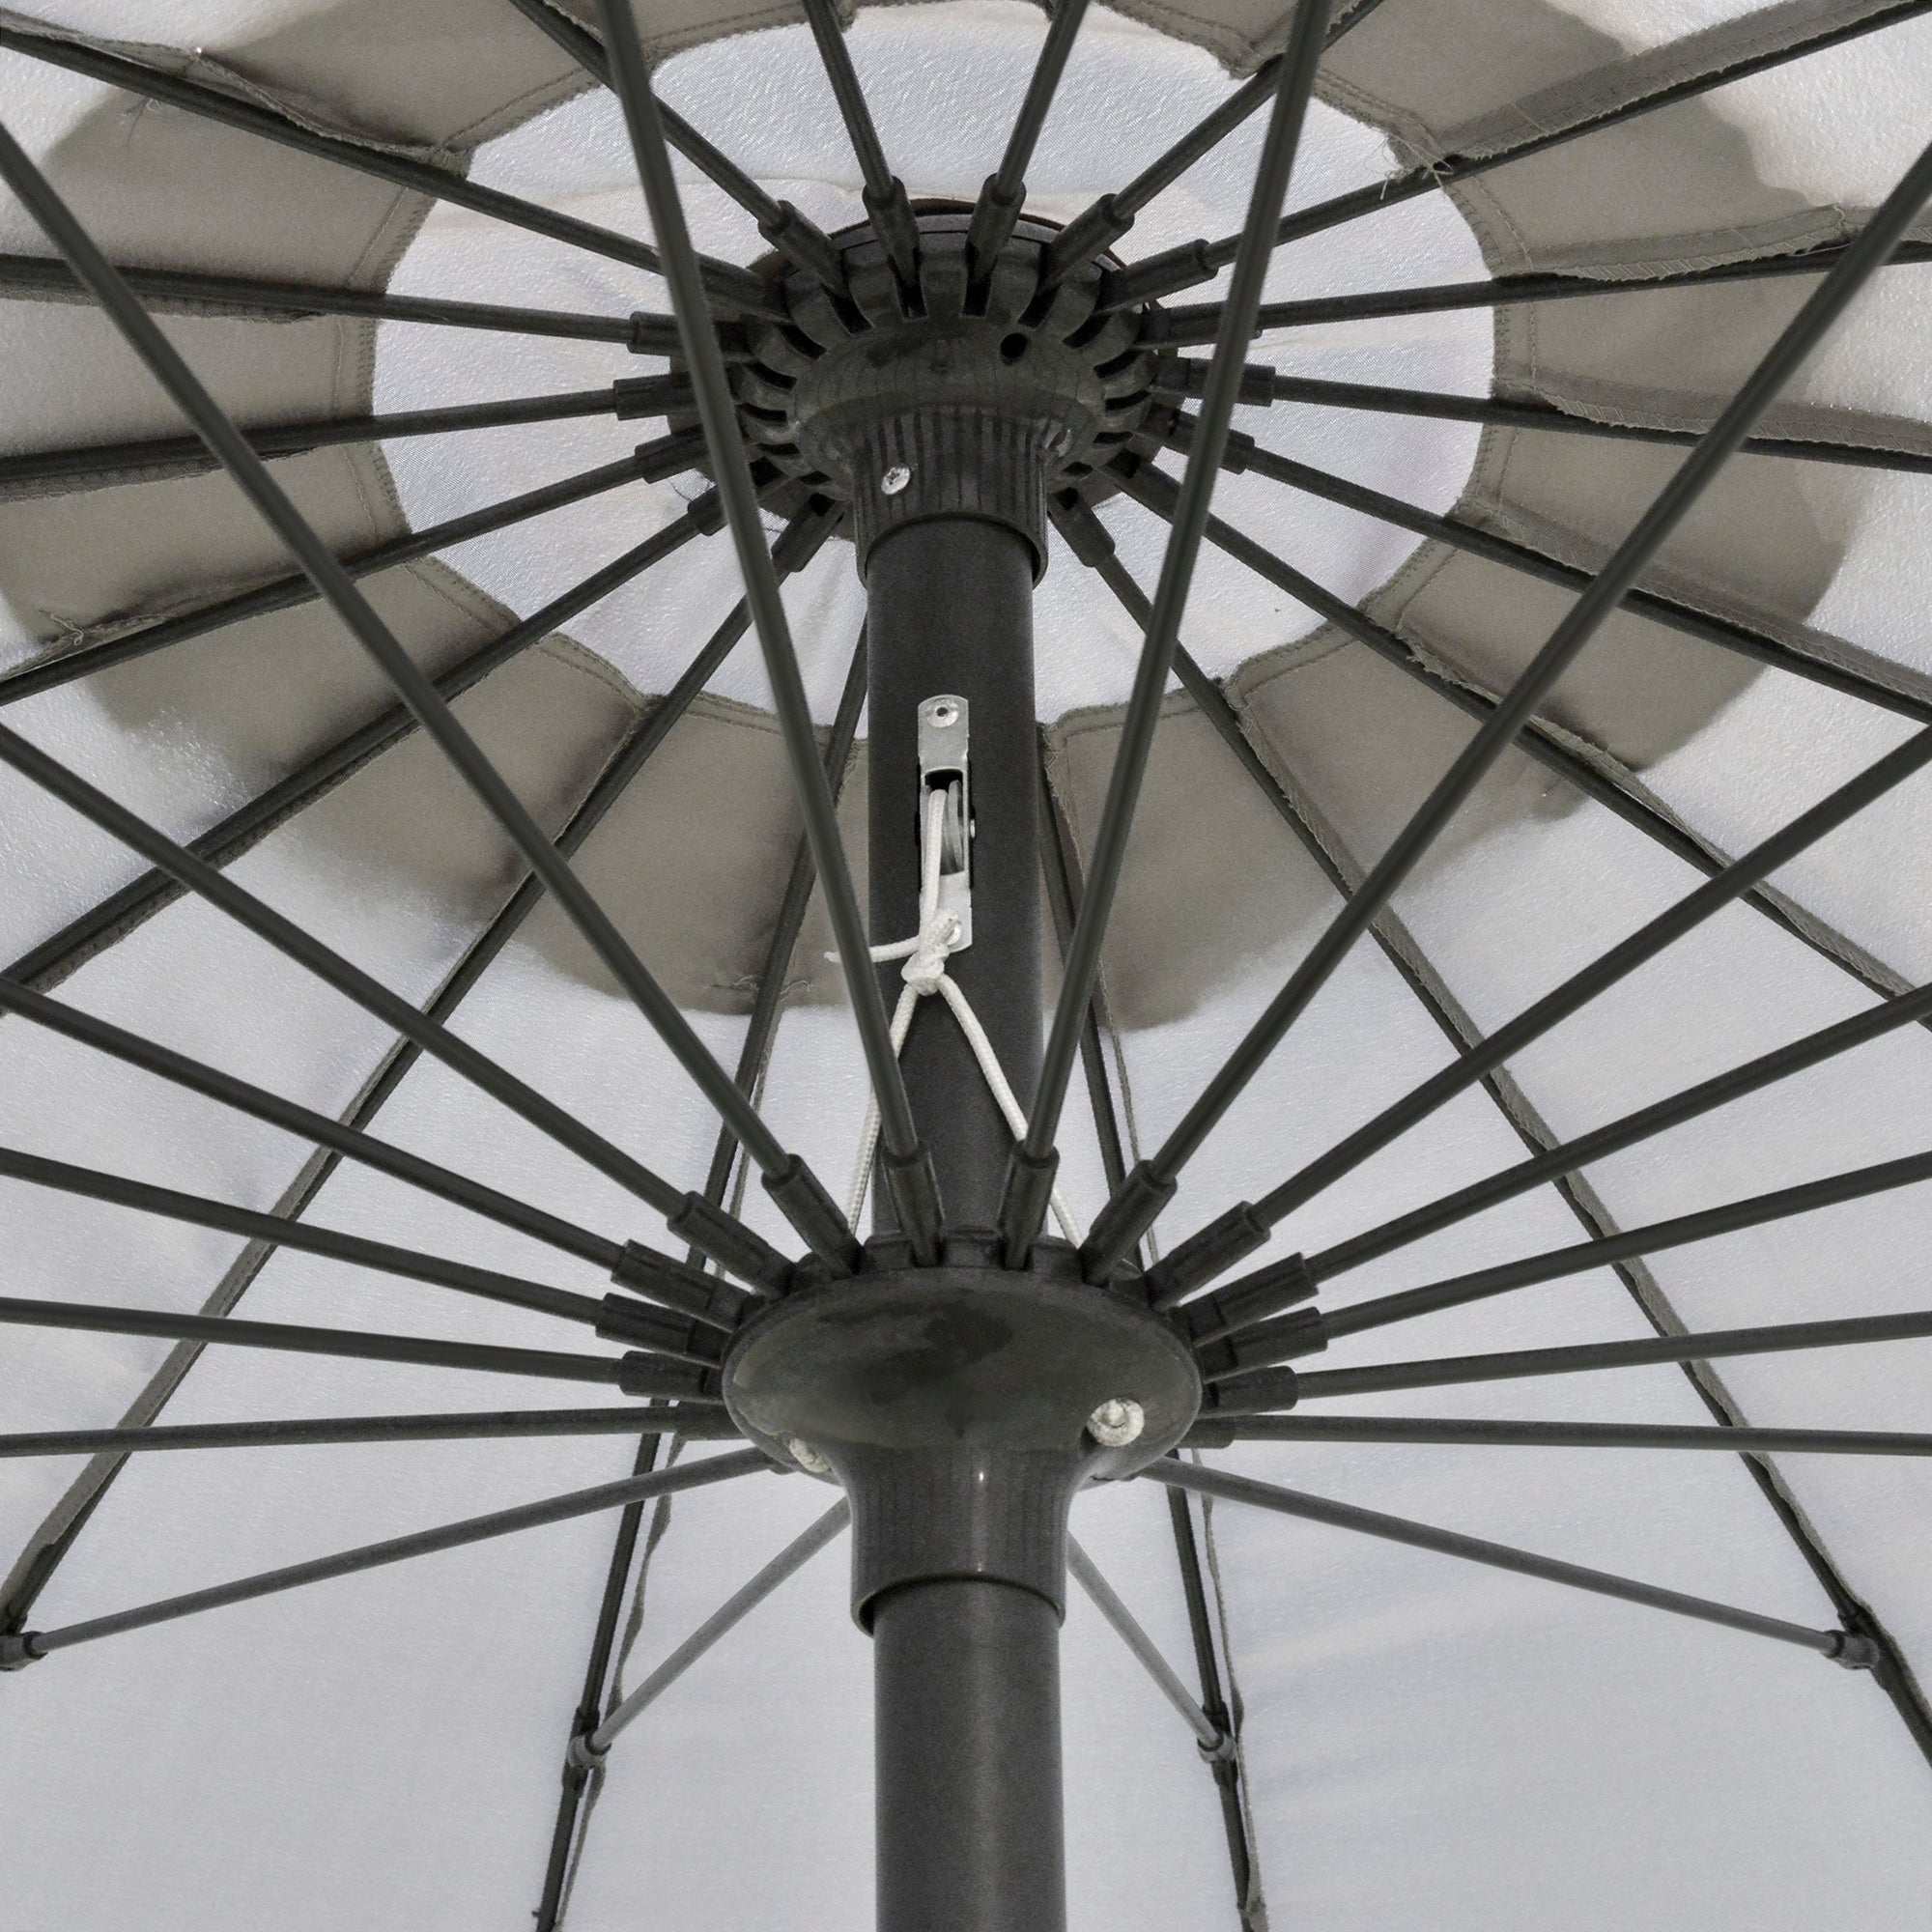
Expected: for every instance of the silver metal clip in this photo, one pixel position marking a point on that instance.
(944, 766)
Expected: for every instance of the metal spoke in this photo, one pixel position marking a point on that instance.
(1642, 1124)
(630, 399)
(259, 1104)
(884, 194)
(1127, 1214)
(1095, 229)
(1226, 1770)
(460, 1428)
(759, 1031)
(92, 1184)
(769, 1003)
(822, 1228)
(29, 1645)
(1457, 1431)
(652, 461)
(1836, 1644)
(1057, 864)
(1002, 193)
(795, 236)
(793, 1558)
(1755, 1212)
(180, 291)
(1199, 261)
(1148, 486)
(731, 288)
(798, 1191)
(1622, 959)
(1166, 1282)
(1586, 1357)
(291, 1338)
(1727, 634)
(1029, 1179)
(1207, 1734)
(1183, 377)
(113, 918)
(329, 966)
(1198, 322)
(590, 1704)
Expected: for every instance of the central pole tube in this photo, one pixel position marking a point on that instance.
(966, 1668)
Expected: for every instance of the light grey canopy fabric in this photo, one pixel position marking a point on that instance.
(1422, 1742)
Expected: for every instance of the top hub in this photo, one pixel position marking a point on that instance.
(944, 398)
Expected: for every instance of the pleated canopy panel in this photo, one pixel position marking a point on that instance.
(1336, 1334)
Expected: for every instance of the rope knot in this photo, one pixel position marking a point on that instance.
(926, 965)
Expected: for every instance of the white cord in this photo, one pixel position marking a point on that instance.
(925, 972)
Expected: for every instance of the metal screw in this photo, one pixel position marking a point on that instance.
(895, 479)
(1117, 1422)
(810, 1460)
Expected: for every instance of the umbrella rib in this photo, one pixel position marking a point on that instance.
(1098, 226)
(177, 289)
(795, 236)
(1586, 1357)
(1226, 1770)
(484, 1358)
(1057, 864)
(652, 461)
(92, 1184)
(1839, 1645)
(1153, 491)
(729, 286)
(798, 1190)
(1754, 1211)
(884, 194)
(1196, 323)
(1607, 971)
(414, 685)
(1199, 261)
(1091, 541)
(758, 1036)
(1263, 386)
(29, 1645)
(1727, 634)
(113, 918)
(329, 966)
(1813, 1049)
(456, 1428)
(1023, 1206)
(197, 1078)
(767, 1009)
(590, 1705)
(1002, 193)
(1129, 1211)
(1211, 1432)
(735, 1608)
(629, 400)
(1212, 1738)
(1280, 1388)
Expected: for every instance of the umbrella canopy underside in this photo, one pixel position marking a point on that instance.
(1422, 1742)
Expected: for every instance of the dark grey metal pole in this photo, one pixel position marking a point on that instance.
(950, 613)
(966, 1670)
(967, 1681)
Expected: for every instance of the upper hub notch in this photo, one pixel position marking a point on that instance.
(947, 396)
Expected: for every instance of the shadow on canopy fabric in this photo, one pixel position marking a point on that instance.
(1413, 1751)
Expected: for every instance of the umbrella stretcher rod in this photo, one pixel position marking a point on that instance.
(589, 1747)
(1242, 1229)
(28, 1646)
(1855, 1652)
(1210, 1737)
